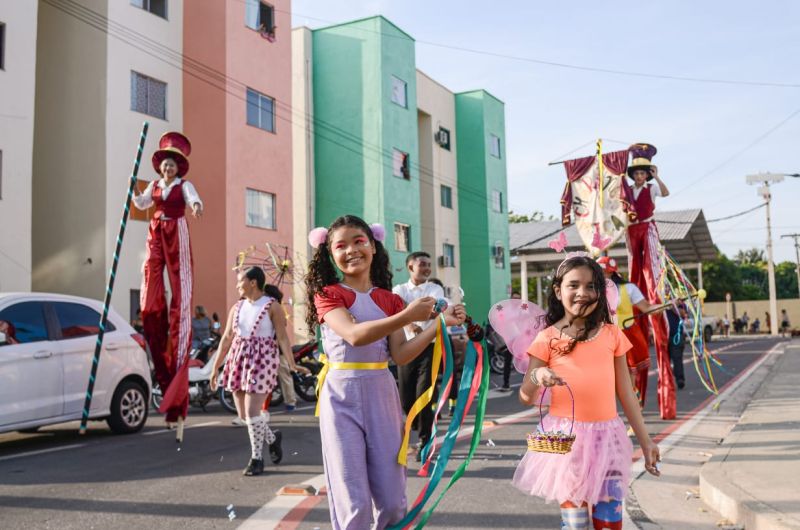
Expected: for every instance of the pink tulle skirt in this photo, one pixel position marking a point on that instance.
(597, 469)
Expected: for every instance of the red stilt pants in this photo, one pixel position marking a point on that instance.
(645, 270)
(168, 336)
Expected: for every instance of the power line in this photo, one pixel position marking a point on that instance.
(740, 152)
(159, 51)
(557, 64)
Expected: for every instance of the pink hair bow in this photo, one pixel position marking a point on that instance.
(317, 237)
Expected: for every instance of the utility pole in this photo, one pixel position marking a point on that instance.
(765, 179)
(797, 257)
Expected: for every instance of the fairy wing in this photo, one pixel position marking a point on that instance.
(518, 322)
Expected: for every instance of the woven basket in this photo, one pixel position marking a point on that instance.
(552, 441)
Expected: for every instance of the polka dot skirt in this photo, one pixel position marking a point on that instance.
(252, 363)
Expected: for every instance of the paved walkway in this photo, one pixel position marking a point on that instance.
(753, 479)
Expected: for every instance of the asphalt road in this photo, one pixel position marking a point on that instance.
(57, 479)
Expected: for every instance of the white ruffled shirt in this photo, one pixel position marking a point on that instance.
(145, 199)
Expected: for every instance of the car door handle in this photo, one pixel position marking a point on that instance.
(42, 354)
(112, 347)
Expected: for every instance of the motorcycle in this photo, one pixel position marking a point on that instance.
(497, 349)
(305, 386)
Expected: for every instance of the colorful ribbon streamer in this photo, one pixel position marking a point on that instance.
(466, 392)
(425, 398)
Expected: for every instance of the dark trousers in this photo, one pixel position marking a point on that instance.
(676, 356)
(413, 379)
(507, 364)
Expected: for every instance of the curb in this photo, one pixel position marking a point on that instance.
(730, 500)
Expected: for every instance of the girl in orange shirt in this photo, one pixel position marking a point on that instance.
(582, 348)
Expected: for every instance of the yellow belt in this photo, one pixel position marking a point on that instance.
(342, 366)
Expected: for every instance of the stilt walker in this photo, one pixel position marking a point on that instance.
(168, 330)
(644, 262)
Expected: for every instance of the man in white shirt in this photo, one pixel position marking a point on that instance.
(415, 377)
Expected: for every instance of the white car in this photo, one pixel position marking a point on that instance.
(47, 344)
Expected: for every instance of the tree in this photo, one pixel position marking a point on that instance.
(534, 217)
(754, 256)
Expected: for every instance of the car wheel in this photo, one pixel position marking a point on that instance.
(156, 397)
(128, 408)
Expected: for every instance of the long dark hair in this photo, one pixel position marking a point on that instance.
(323, 272)
(555, 309)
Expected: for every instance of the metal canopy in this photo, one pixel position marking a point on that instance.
(684, 233)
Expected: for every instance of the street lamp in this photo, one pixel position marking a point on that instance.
(765, 179)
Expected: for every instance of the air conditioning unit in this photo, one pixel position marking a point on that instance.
(442, 138)
(445, 261)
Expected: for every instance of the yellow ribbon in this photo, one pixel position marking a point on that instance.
(424, 399)
(342, 366)
(600, 169)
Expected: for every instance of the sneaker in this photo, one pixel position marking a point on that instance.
(254, 467)
(504, 388)
(418, 451)
(290, 408)
(275, 450)
(681, 384)
(238, 422)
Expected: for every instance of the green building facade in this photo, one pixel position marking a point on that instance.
(482, 192)
(365, 120)
(366, 153)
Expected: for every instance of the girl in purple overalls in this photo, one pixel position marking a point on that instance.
(361, 422)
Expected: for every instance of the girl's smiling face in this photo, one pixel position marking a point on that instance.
(169, 169)
(352, 250)
(578, 292)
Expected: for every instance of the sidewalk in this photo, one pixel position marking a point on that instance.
(753, 479)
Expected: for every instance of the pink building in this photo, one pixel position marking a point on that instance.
(236, 105)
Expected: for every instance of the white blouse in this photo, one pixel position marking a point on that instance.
(145, 199)
(248, 313)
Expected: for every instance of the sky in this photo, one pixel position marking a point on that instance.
(709, 135)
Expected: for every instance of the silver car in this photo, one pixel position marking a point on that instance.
(47, 343)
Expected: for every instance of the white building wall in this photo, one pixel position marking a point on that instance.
(439, 103)
(17, 98)
(123, 125)
(302, 164)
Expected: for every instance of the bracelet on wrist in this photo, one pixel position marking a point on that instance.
(533, 378)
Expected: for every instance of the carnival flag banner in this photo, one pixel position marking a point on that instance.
(596, 199)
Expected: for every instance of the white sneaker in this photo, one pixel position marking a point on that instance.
(238, 422)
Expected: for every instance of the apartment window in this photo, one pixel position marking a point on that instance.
(148, 95)
(2, 46)
(448, 255)
(494, 145)
(260, 110)
(402, 237)
(157, 7)
(400, 164)
(447, 196)
(141, 215)
(260, 209)
(497, 201)
(499, 255)
(442, 137)
(259, 16)
(399, 92)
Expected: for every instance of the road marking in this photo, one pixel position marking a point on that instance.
(276, 510)
(675, 432)
(286, 512)
(162, 431)
(41, 451)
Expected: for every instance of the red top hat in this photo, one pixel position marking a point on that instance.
(176, 146)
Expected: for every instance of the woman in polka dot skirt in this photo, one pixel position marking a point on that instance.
(255, 330)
